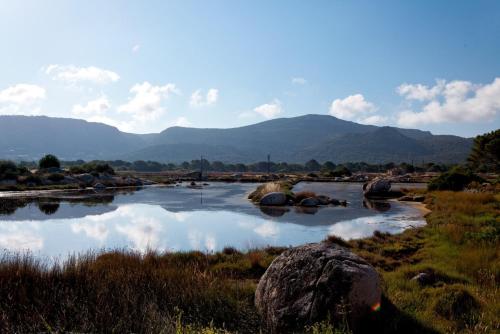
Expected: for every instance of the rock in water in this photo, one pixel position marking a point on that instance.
(307, 283)
(377, 187)
(309, 202)
(273, 198)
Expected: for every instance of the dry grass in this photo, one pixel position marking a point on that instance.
(299, 196)
(269, 187)
(126, 292)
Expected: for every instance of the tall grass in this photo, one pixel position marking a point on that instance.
(460, 249)
(124, 291)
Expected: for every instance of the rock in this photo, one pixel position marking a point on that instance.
(423, 278)
(85, 178)
(323, 200)
(307, 283)
(53, 170)
(406, 198)
(273, 198)
(343, 202)
(377, 187)
(419, 198)
(99, 186)
(334, 201)
(309, 202)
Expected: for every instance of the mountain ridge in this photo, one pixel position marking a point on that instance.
(295, 139)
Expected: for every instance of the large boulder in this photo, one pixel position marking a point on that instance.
(273, 199)
(308, 283)
(377, 187)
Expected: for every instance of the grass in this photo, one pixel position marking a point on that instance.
(193, 292)
(460, 249)
(269, 187)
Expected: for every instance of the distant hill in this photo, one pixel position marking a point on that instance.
(30, 137)
(296, 139)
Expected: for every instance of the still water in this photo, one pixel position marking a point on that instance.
(181, 218)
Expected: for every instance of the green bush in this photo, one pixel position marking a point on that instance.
(92, 168)
(49, 161)
(10, 171)
(456, 179)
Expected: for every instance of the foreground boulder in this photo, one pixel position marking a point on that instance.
(273, 199)
(308, 283)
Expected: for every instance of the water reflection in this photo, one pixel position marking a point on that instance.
(169, 219)
(380, 206)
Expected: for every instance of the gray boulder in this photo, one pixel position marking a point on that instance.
(273, 199)
(309, 202)
(377, 187)
(307, 283)
(85, 178)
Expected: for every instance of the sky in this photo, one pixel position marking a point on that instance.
(143, 66)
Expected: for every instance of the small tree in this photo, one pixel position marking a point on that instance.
(312, 165)
(49, 161)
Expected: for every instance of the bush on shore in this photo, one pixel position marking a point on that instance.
(49, 161)
(456, 179)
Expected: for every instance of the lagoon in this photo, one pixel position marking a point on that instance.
(180, 218)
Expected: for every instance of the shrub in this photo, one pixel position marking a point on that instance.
(49, 161)
(454, 302)
(56, 177)
(456, 179)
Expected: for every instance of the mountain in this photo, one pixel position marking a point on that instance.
(30, 137)
(296, 139)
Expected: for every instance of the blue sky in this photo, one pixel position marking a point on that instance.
(147, 65)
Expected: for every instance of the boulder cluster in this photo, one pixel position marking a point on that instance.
(278, 198)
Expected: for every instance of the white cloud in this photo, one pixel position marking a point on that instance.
(198, 100)
(22, 94)
(270, 110)
(74, 74)
(136, 48)
(94, 107)
(454, 101)
(147, 99)
(351, 107)
(182, 121)
(299, 81)
(420, 92)
(21, 99)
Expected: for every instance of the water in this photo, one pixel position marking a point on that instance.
(180, 218)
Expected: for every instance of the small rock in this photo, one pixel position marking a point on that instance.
(99, 186)
(334, 201)
(323, 200)
(423, 278)
(419, 198)
(274, 198)
(343, 202)
(309, 202)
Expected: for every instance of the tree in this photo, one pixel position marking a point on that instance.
(49, 161)
(485, 153)
(329, 166)
(312, 165)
